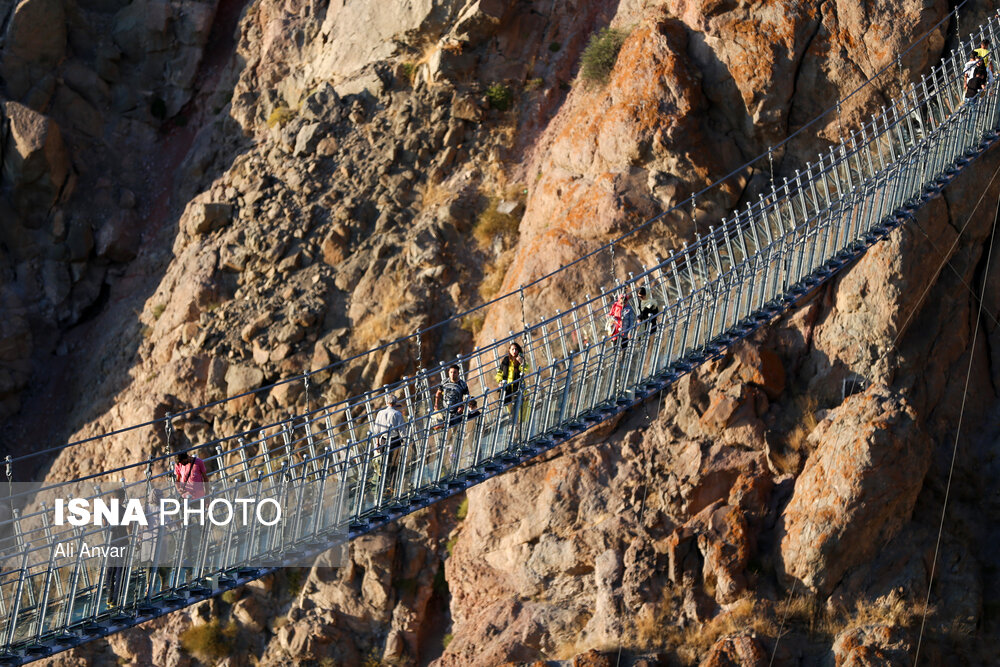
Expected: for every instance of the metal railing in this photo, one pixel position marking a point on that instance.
(337, 477)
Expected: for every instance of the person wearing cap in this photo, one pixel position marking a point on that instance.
(388, 433)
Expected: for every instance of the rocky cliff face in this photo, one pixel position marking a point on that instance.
(230, 211)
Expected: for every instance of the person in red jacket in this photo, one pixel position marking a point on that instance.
(621, 319)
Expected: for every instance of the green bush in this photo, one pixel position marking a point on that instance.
(408, 70)
(601, 53)
(554, 47)
(499, 96)
(463, 510)
(295, 580)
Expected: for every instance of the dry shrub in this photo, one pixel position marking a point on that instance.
(280, 116)
(473, 322)
(435, 194)
(806, 406)
(746, 615)
(799, 422)
(805, 612)
(892, 610)
(381, 327)
(691, 643)
(492, 224)
(494, 274)
(210, 641)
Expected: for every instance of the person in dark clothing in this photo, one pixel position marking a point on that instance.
(648, 308)
(452, 395)
(114, 570)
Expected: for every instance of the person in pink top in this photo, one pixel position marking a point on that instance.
(190, 476)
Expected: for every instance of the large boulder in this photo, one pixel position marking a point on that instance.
(34, 43)
(856, 491)
(736, 651)
(873, 645)
(35, 161)
(119, 237)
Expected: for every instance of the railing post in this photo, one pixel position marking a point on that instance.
(16, 607)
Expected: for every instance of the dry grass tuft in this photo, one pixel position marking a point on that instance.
(473, 322)
(382, 326)
(435, 194)
(210, 641)
(280, 116)
(494, 274)
(746, 615)
(805, 406)
(492, 224)
(798, 421)
(892, 610)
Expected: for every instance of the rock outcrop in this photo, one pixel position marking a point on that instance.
(857, 489)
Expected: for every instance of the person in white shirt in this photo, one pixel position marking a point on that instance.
(388, 432)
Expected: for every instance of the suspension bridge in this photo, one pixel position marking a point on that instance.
(330, 473)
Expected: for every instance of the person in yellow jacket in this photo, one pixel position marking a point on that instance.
(512, 368)
(984, 52)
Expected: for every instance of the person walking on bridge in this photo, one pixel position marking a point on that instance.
(975, 76)
(648, 308)
(621, 319)
(984, 52)
(190, 481)
(509, 373)
(453, 397)
(388, 433)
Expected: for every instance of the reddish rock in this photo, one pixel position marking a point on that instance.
(760, 367)
(720, 412)
(592, 658)
(738, 651)
(857, 489)
(873, 646)
(725, 544)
